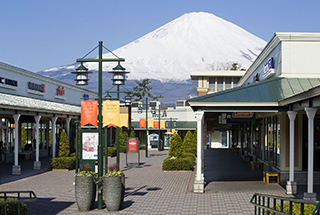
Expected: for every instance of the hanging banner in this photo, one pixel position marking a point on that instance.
(124, 119)
(150, 123)
(90, 145)
(156, 124)
(111, 113)
(163, 124)
(89, 112)
(142, 123)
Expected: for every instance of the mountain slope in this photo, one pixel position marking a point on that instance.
(194, 41)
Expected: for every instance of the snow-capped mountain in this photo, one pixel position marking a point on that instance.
(194, 41)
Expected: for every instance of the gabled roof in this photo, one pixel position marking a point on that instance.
(267, 93)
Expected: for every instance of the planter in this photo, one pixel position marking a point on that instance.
(113, 192)
(85, 191)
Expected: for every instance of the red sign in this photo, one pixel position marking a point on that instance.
(143, 123)
(60, 90)
(156, 124)
(132, 145)
(242, 114)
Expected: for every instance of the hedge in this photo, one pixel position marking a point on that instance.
(63, 163)
(186, 163)
(12, 208)
(296, 208)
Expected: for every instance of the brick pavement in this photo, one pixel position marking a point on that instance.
(149, 190)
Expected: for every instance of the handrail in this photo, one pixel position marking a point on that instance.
(21, 196)
(267, 203)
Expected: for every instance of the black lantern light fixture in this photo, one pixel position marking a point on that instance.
(82, 75)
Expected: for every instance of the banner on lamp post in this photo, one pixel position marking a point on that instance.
(150, 123)
(142, 123)
(124, 119)
(111, 113)
(89, 112)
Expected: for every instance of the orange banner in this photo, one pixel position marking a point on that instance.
(89, 112)
(143, 123)
(156, 124)
(111, 113)
(150, 123)
(124, 119)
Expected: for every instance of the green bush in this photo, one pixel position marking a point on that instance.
(176, 148)
(73, 154)
(190, 155)
(64, 145)
(296, 209)
(189, 145)
(112, 151)
(178, 164)
(63, 163)
(12, 208)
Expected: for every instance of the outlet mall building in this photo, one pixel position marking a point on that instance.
(41, 107)
(272, 113)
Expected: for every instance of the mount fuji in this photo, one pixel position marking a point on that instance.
(194, 41)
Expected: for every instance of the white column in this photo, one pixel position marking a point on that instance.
(291, 185)
(199, 180)
(37, 163)
(68, 129)
(16, 169)
(53, 133)
(311, 112)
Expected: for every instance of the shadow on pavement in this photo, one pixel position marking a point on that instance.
(51, 207)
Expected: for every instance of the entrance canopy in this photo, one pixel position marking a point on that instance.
(264, 96)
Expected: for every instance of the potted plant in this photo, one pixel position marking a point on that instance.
(85, 188)
(113, 188)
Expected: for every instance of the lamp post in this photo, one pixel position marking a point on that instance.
(82, 79)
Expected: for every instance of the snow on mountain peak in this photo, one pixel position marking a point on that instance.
(194, 41)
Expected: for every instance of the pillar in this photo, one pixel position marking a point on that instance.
(199, 179)
(68, 129)
(311, 112)
(53, 133)
(37, 163)
(291, 184)
(16, 169)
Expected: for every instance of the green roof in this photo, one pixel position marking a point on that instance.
(271, 90)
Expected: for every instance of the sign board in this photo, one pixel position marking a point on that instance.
(90, 145)
(132, 145)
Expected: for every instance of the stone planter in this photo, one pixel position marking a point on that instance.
(85, 191)
(113, 192)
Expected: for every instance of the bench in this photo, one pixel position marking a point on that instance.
(244, 157)
(25, 155)
(235, 149)
(254, 163)
(266, 176)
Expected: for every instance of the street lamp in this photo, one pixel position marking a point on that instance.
(82, 79)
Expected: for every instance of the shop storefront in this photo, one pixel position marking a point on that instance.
(281, 89)
(34, 110)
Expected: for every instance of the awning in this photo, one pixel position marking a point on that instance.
(264, 96)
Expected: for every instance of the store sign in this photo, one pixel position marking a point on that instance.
(132, 145)
(37, 87)
(90, 145)
(7, 81)
(268, 69)
(60, 90)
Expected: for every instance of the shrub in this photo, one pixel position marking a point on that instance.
(64, 145)
(296, 209)
(132, 134)
(63, 163)
(12, 208)
(189, 145)
(176, 149)
(178, 164)
(112, 151)
(190, 155)
(73, 154)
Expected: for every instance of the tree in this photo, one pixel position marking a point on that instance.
(142, 91)
(64, 145)
(23, 137)
(188, 144)
(176, 148)
(132, 134)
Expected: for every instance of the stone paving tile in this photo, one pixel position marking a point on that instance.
(149, 190)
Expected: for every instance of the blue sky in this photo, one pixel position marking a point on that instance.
(39, 34)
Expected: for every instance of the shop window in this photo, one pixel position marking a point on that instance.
(227, 82)
(219, 83)
(235, 81)
(212, 84)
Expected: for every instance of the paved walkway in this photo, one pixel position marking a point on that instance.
(149, 190)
